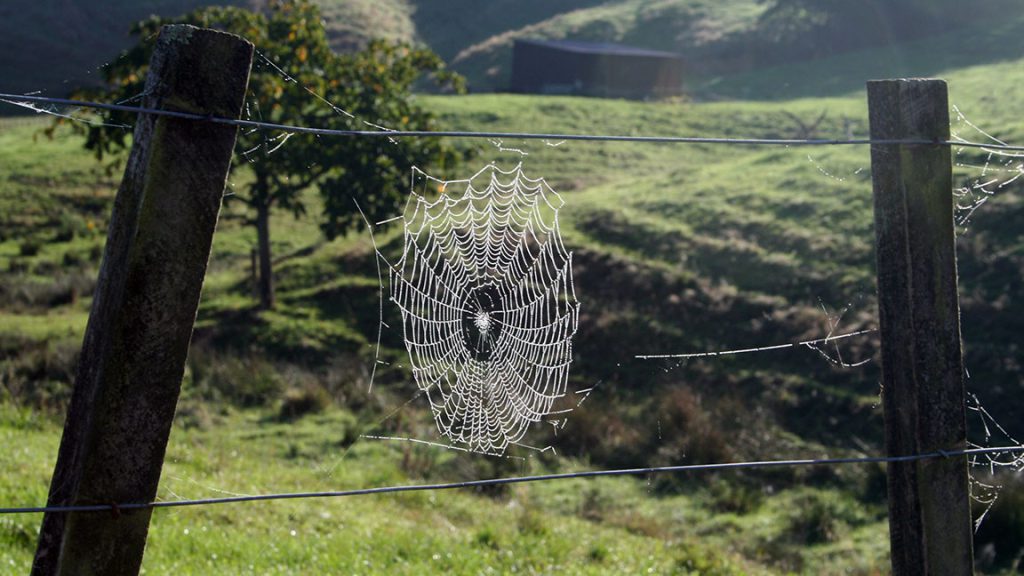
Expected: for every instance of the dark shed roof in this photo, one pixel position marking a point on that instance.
(594, 69)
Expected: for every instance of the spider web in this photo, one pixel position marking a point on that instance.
(484, 286)
(993, 172)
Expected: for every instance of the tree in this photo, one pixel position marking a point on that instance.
(298, 80)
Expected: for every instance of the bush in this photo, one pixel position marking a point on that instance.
(735, 497)
(694, 559)
(37, 375)
(597, 554)
(688, 432)
(243, 381)
(487, 538)
(21, 292)
(72, 260)
(472, 466)
(299, 402)
(18, 266)
(29, 248)
(64, 235)
(820, 517)
(595, 504)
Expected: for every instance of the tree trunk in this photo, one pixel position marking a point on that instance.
(266, 277)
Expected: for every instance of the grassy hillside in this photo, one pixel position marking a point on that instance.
(991, 46)
(53, 46)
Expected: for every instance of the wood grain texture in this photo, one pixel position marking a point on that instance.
(922, 369)
(145, 304)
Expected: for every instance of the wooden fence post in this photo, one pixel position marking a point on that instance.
(135, 346)
(922, 368)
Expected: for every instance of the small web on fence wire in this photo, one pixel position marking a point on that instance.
(996, 169)
(990, 172)
(985, 480)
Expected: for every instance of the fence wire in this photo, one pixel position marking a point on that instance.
(15, 99)
(117, 508)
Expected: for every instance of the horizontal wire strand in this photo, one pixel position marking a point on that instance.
(512, 480)
(388, 133)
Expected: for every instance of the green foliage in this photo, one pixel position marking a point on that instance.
(297, 79)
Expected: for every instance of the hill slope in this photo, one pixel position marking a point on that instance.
(52, 45)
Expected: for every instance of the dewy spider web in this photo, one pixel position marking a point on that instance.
(484, 286)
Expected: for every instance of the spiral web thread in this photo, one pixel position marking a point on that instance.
(485, 290)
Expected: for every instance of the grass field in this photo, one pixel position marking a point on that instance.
(576, 527)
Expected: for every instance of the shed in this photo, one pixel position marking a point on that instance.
(594, 69)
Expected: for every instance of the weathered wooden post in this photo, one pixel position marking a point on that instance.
(922, 369)
(133, 354)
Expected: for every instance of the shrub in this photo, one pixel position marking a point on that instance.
(735, 497)
(37, 375)
(299, 402)
(687, 432)
(463, 467)
(29, 248)
(17, 266)
(693, 559)
(244, 381)
(20, 292)
(487, 538)
(597, 554)
(820, 517)
(530, 522)
(64, 234)
(594, 505)
(72, 260)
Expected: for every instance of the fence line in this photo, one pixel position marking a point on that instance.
(14, 99)
(116, 508)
